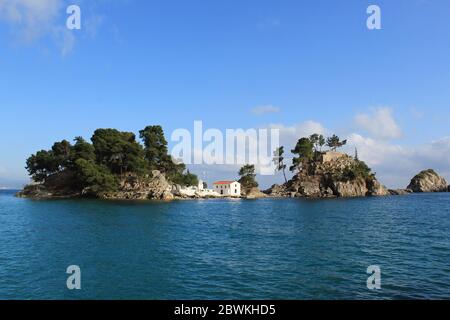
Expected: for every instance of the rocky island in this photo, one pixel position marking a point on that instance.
(326, 174)
(117, 167)
(113, 166)
(428, 181)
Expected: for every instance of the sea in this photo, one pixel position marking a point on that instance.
(372, 248)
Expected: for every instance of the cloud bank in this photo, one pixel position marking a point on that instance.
(379, 123)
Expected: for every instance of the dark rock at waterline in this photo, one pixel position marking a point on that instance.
(400, 192)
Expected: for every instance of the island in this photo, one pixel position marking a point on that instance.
(115, 166)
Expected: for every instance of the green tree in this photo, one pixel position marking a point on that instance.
(156, 152)
(61, 153)
(248, 177)
(82, 150)
(119, 151)
(178, 174)
(334, 142)
(97, 178)
(41, 165)
(278, 159)
(321, 143)
(304, 152)
(358, 170)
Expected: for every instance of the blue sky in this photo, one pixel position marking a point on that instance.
(136, 63)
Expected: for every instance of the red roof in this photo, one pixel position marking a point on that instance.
(224, 182)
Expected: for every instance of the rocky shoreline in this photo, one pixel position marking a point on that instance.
(321, 180)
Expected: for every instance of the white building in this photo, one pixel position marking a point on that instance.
(228, 188)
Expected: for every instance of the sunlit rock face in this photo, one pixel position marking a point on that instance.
(428, 181)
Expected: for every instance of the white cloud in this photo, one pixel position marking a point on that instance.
(380, 123)
(395, 164)
(260, 110)
(36, 20)
(31, 19)
(289, 135)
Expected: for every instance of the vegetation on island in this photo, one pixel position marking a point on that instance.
(248, 177)
(100, 165)
(308, 150)
(278, 160)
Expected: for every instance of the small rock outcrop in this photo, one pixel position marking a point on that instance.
(332, 174)
(254, 193)
(55, 187)
(277, 191)
(428, 181)
(400, 192)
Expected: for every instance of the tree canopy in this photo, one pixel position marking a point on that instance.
(304, 153)
(248, 177)
(100, 165)
(335, 142)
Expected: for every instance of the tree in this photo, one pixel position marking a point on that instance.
(357, 170)
(248, 177)
(61, 153)
(156, 152)
(321, 142)
(356, 154)
(278, 159)
(334, 142)
(82, 150)
(119, 151)
(41, 165)
(97, 178)
(304, 152)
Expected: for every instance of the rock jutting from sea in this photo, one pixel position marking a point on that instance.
(331, 174)
(428, 181)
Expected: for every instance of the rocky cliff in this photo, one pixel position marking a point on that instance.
(131, 187)
(428, 181)
(337, 176)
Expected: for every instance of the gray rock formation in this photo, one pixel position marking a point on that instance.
(254, 193)
(137, 188)
(131, 187)
(277, 191)
(355, 188)
(400, 192)
(428, 181)
(331, 175)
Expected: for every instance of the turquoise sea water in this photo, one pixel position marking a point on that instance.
(226, 249)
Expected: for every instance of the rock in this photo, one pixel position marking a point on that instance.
(376, 188)
(399, 192)
(332, 174)
(448, 189)
(428, 181)
(55, 187)
(310, 187)
(277, 190)
(133, 187)
(351, 188)
(254, 193)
